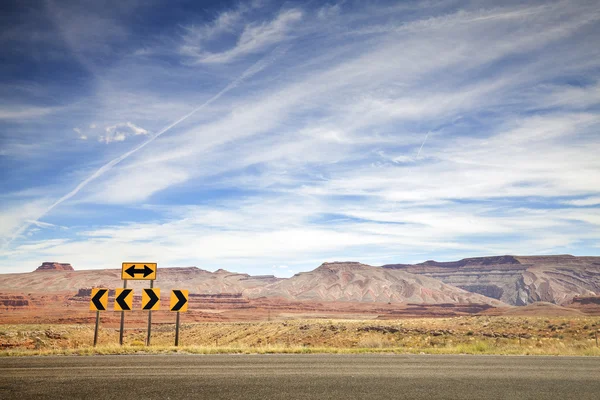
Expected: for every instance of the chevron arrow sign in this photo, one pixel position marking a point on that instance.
(179, 300)
(99, 300)
(123, 299)
(151, 299)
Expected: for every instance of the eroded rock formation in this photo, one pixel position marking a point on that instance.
(352, 281)
(517, 280)
(54, 266)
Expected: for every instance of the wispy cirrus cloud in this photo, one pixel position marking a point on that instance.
(23, 113)
(587, 201)
(252, 37)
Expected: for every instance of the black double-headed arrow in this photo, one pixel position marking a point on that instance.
(153, 299)
(131, 271)
(121, 300)
(97, 299)
(181, 300)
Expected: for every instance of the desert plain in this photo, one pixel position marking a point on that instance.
(495, 305)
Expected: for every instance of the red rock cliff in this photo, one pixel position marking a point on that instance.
(54, 266)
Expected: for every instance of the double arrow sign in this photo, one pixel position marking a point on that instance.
(150, 300)
(138, 271)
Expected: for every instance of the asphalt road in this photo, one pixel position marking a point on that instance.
(300, 377)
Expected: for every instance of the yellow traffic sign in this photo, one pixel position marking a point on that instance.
(151, 299)
(179, 300)
(123, 299)
(138, 271)
(99, 299)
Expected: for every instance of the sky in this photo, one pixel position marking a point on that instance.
(267, 137)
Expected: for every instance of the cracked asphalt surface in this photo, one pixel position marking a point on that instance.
(304, 377)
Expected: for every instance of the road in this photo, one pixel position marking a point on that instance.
(299, 377)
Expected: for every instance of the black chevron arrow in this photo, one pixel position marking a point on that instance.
(181, 302)
(131, 271)
(153, 299)
(96, 299)
(121, 299)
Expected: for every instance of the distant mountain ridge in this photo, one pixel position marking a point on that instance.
(492, 260)
(517, 280)
(496, 280)
(338, 281)
(353, 281)
(194, 279)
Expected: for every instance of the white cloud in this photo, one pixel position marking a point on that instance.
(588, 201)
(16, 212)
(136, 129)
(80, 134)
(24, 112)
(328, 11)
(44, 224)
(226, 22)
(255, 37)
(132, 185)
(358, 99)
(274, 233)
(119, 132)
(568, 96)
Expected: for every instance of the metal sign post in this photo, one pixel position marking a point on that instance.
(179, 303)
(177, 330)
(141, 271)
(149, 320)
(124, 297)
(98, 302)
(96, 329)
(122, 319)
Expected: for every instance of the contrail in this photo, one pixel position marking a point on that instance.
(252, 70)
(394, 208)
(422, 144)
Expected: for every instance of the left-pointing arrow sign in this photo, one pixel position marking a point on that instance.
(123, 299)
(99, 299)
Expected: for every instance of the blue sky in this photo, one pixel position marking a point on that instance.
(267, 137)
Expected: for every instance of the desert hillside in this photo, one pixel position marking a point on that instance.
(496, 281)
(352, 281)
(194, 279)
(338, 281)
(517, 280)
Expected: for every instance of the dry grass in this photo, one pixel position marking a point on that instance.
(460, 335)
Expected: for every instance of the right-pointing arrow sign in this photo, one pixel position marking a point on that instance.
(179, 300)
(151, 299)
(123, 299)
